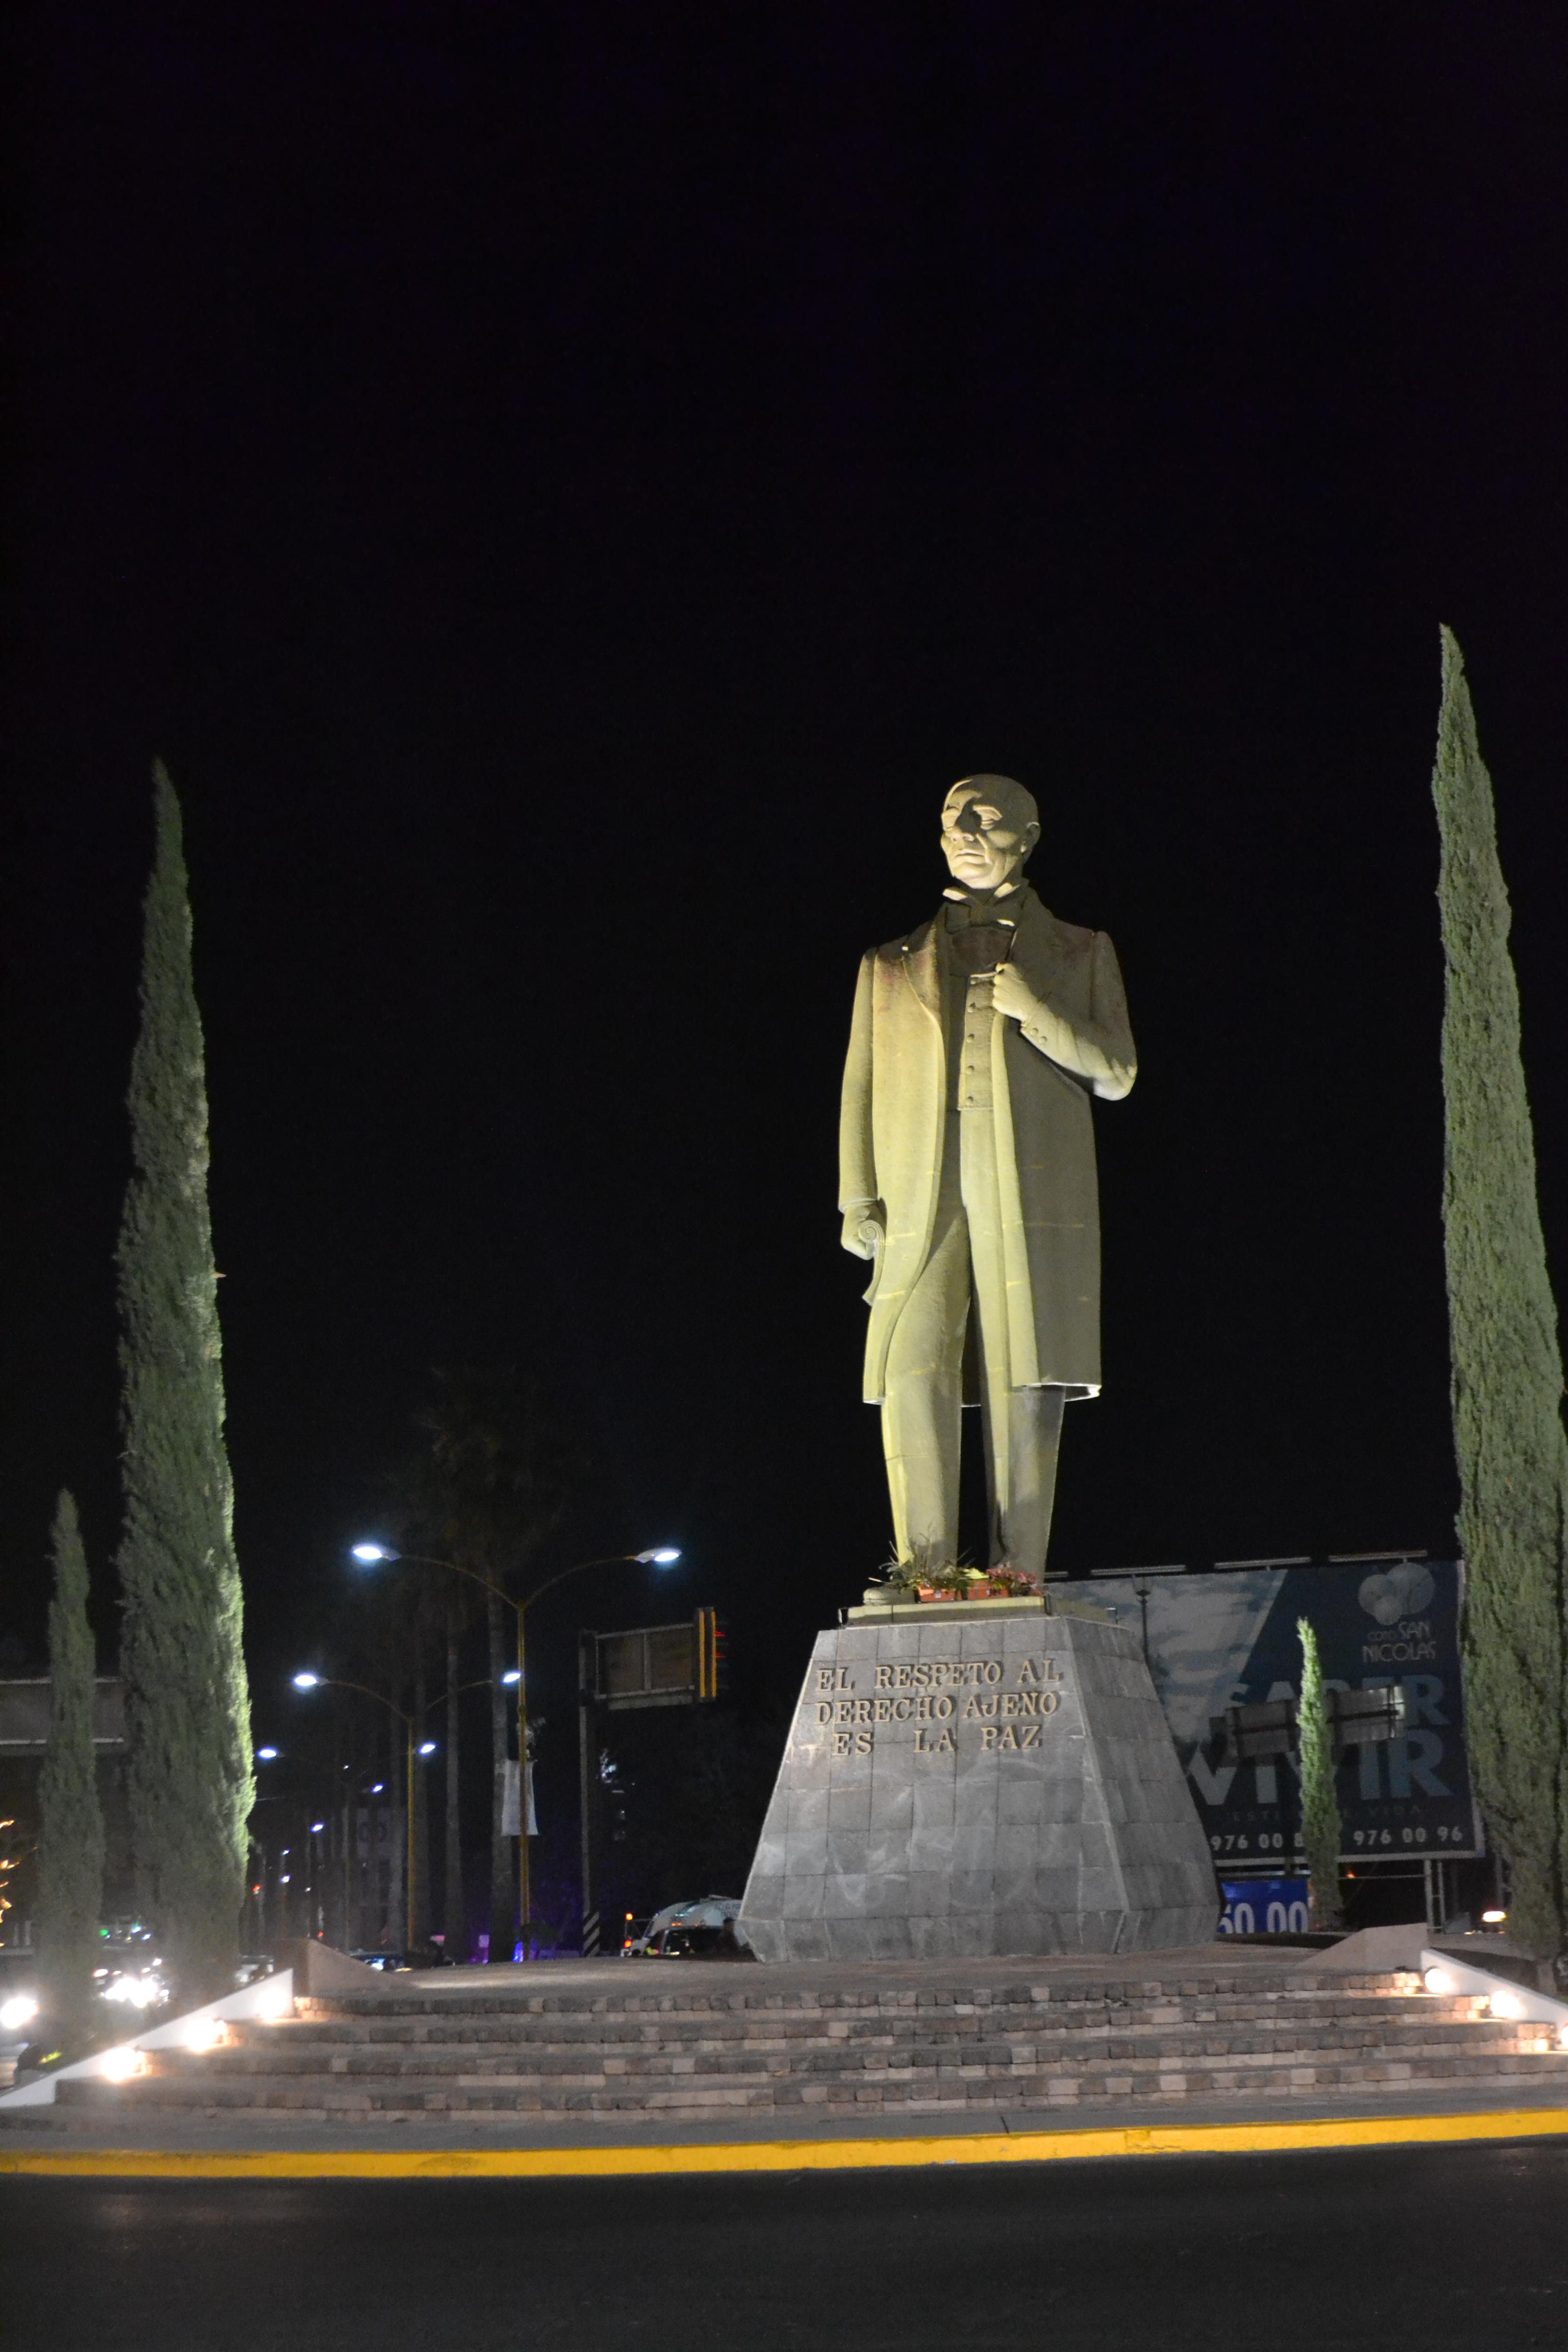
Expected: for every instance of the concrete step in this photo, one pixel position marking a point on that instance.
(643, 1995)
(828, 2030)
(708, 2046)
(1035, 2043)
(979, 2074)
(319, 2040)
(470, 2027)
(1511, 2074)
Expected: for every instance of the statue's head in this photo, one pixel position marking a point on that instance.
(989, 825)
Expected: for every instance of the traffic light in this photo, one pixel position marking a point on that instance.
(712, 1653)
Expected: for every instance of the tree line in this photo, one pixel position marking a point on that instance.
(489, 1481)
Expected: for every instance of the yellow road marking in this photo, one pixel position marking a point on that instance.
(781, 2156)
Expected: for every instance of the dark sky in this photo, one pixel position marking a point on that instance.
(567, 488)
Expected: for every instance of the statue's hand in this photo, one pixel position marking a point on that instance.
(1011, 993)
(864, 1230)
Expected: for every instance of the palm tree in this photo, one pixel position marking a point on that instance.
(498, 1475)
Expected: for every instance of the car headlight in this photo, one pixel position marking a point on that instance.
(140, 1992)
(19, 2010)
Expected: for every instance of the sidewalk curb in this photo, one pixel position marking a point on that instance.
(785, 2155)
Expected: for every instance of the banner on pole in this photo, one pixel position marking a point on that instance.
(512, 1805)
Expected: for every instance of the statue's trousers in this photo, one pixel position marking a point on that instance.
(924, 1393)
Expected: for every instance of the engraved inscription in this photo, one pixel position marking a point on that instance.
(886, 1710)
(1008, 1702)
(939, 1673)
(920, 1693)
(942, 1743)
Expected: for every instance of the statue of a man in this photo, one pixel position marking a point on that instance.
(967, 1172)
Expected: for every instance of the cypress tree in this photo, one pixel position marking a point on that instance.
(1322, 1832)
(187, 1707)
(1507, 1367)
(70, 1837)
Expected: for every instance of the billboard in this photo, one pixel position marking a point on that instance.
(657, 1665)
(1228, 1637)
(1267, 1907)
(25, 1715)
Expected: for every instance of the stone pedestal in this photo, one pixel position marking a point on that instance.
(988, 1777)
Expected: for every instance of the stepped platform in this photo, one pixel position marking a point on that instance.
(565, 2049)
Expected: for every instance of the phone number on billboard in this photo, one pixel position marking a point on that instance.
(1442, 1835)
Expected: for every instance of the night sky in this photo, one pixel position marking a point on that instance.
(567, 488)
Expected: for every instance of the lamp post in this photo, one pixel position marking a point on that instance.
(372, 1555)
(312, 1889)
(307, 1681)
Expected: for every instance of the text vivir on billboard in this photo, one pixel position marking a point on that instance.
(1228, 1637)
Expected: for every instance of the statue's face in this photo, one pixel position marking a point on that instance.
(984, 839)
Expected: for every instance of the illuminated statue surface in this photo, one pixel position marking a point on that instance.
(968, 1777)
(967, 1174)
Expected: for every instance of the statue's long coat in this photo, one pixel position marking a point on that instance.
(891, 1136)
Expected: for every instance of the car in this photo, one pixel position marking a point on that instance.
(645, 1939)
(706, 1930)
(128, 1980)
(130, 1973)
(18, 2003)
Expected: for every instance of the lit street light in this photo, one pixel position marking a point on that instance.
(373, 1553)
(305, 1680)
(267, 1755)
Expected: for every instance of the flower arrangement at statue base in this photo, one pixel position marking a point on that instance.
(914, 1581)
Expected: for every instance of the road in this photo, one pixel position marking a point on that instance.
(1437, 2246)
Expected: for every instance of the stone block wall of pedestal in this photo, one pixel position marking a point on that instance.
(975, 1785)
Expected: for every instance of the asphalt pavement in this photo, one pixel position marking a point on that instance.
(1456, 2245)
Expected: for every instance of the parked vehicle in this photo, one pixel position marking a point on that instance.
(706, 1930)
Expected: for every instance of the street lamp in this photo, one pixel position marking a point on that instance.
(307, 1681)
(371, 1553)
